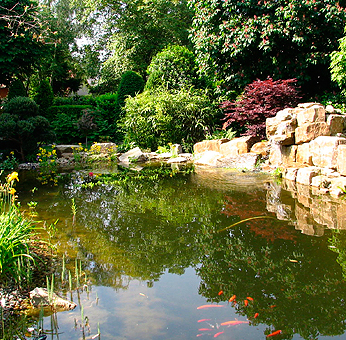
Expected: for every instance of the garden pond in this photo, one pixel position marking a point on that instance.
(165, 258)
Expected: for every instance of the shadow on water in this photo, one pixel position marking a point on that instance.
(153, 253)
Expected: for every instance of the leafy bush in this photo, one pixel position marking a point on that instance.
(21, 106)
(74, 100)
(16, 89)
(75, 111)
(64, 126)
(260, 100)
(44, 96)
(172, 68)
(156, 119)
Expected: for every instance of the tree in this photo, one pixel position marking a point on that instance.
(338, 64)
(137, 30)
(173, 68)
(44, 97)
(260, 100)
(21, 39)
(16, 89)
(239, 41)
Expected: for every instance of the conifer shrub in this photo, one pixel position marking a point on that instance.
(16, 89)
(261, 99)
(21, 106)
(44, 97)
(131, 83)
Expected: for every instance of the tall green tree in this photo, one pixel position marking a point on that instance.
(137, 30)
(241, 40)
(21, 39)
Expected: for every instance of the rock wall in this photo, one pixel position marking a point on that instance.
(306, 144)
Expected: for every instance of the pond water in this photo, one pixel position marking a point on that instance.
(153, 262)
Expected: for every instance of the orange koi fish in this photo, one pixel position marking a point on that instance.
(256, 315)
(217, 334)
(198, 335)
(274, 333)
(205, 329)
(201, 320)
(246, 302)
(232, 298)
(220, 292)
(249, 298)
(209, 306)
(233, 323)
(272, 306)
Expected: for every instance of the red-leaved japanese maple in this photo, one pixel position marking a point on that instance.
(261, 99)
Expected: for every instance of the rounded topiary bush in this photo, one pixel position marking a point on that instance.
(172, 68)
(21, 106)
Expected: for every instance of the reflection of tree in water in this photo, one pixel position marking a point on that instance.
(296, 286)
(250, 204)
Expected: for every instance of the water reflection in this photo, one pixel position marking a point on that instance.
(140, 244)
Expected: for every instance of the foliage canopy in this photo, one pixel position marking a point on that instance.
(239, 41)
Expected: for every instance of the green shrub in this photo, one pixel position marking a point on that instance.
(16, 89)
(44, 97)
(172, 68)
(74, 111)
(74, 100)
(156, 119)
(64, 126)
(21, 106)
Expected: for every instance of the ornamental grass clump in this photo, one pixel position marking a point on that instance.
(15, 235)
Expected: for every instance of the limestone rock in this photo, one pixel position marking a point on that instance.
(134, 155)
(238, 146)
(103, 148)
(261, 148)
(305, 175)
(324, 151)
(289, 155)
(177, 160)
(336, 124)
(284, 133)
(341, 160)
(40, 297)
(303, 155)
(208, 158)
(65, 149)
(312, 114)
(309, 131)
(209, 145)
(290, 174)
(275, 155)
(246, 161)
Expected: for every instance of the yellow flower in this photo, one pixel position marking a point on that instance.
(11, 177)
(12, 153)
(12, 191)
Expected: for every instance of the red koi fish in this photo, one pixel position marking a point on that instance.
(256, 315)
(217, 334)
(274, 333)
(246, 302)
(205, 329)
(232, 298)
(198, 335)
(233, 323)
(203, 320)
(209, 306)
(249, 298)
(220, 292)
